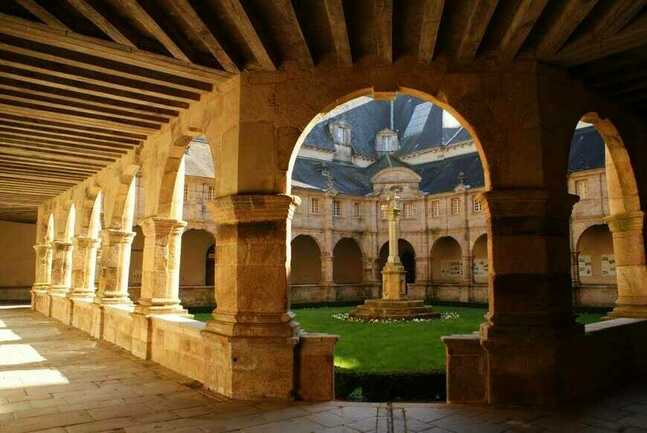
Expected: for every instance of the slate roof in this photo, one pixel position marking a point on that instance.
(587, 152)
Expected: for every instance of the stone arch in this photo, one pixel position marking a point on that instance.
(480, 259)
(193, 266)
(305, 266)
(70, 224)
(94, 226)
(50, 232)
(626, 220)
(171, 195)
(348, 262)
(120, 214)
(136, 264)
(295, 137)
(407, 257)
(446, 260)
(596, 259)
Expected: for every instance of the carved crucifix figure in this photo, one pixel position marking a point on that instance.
(392, 209)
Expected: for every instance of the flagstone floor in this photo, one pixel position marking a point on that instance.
(56, 379)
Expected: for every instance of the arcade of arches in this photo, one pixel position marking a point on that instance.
(254, 117)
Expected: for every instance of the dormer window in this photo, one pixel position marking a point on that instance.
(386, 141)
(341, 133)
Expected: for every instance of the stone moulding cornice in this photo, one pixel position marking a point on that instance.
(625, 222)
(524, 202)
(251, 208)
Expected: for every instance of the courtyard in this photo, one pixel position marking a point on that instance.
(92, 386)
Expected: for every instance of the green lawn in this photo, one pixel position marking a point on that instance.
(398, 347)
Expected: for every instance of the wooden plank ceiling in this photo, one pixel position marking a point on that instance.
(84, 81)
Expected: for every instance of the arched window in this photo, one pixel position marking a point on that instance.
(407, 257)
(306, 261)
(347, 262)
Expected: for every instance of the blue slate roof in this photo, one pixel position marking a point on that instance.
(587, 152)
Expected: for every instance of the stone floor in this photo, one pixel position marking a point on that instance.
(58, 380)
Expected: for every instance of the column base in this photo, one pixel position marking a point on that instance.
(253, 355)
(113, 300)
(41, 302)
(628, 311)
(61, 308)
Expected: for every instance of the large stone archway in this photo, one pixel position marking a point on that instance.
(306, 262)
(407, 257)
(348, 263)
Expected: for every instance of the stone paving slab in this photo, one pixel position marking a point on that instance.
(56, 379)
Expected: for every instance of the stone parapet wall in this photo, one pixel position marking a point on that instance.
(15, 294)
(602, 296)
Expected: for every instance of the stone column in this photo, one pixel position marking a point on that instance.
(468, 264)
(530, 325)
(115, 264)
(43, 271)
(84, 269)
(631, 270)
(252, 332)
(326, 268)
(61, 268)
(42, 278)
(160, 293)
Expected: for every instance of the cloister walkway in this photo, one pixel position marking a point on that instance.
(56, 379)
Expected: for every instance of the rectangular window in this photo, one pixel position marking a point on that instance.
(314, 205)
(356, 210)
(476, 205)
(456, 206)
(435, 208)
(336, 208)
(582, 188)
(409, 210)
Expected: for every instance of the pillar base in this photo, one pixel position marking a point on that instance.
(61, 308)
(254, 354)
(41, 302)
(389, 309)
(629, 311)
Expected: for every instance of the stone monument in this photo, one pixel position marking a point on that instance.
(394, 303)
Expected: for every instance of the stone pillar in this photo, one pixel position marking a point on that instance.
(326, 268)
(43, 272)
(252, 332)
(42, 277)
(115, 264)
(468, 268)
(530, 325)
(160, 293)
(631, 270)
(61, 268)
(575, 267)
(84, 269)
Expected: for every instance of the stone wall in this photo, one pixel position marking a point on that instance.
(16, 261)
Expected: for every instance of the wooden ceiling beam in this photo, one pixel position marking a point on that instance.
(36, 179)
(522, 23)
(383, 15)
(237, 15)
(62, 175)
(101, 22)
(42, 14)
(38, 112)
(338, 31)
(480, 14)
(572, 14)
(184, 10)
(79, 113)
(37, 136)
(432, 14)
(136, 12)
(79, 97)
(21, 143)
(584, 51)
(83, 106)
(72, 128)
(97, 48)
(79, 164)
(33, 78)
(287, 24)
(618, 16)
(55, 157)
(61, 70)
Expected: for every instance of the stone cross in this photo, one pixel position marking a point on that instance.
(392, 209)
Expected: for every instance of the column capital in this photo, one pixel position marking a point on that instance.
(525, 202)
(116, 236)
(62, 245)
(626, 222)
(252, 208)
(86, 242)
(158, 226)
(41, 248)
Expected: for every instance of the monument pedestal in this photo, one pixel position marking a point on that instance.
(384, 309)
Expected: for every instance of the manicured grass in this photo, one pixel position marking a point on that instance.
(393, 348)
